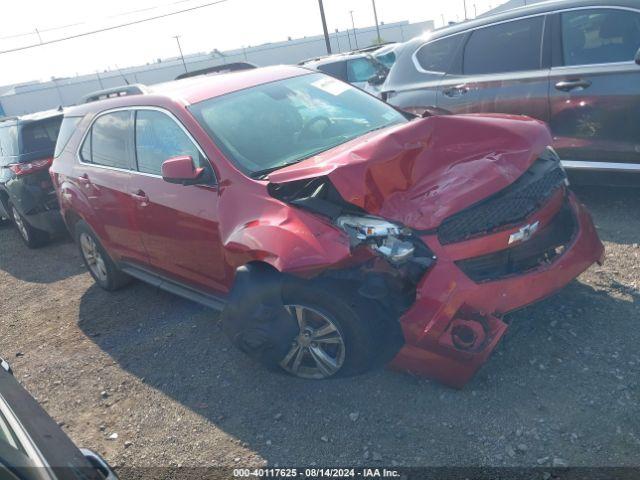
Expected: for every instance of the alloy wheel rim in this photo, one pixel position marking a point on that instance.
(20, 224)
(318, 351)
(93, 257)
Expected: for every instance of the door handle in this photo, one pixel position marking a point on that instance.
(140, 197)
(568, 85)
(456, 91)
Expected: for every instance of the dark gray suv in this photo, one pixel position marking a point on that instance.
(27, 197)
(573, 64)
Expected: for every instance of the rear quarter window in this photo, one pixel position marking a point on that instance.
(438, 55)
(67, 130)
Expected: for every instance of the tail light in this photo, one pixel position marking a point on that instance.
(31, 167)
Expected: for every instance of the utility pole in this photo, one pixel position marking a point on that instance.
(99, 80)
(324, 27)
(475, 11)
(338, 40)
(177, 37)
(375, 16)
(353, 24)
(465, 9)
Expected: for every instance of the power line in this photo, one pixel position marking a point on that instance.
(62, 27)
(113, 27)
(42, 30)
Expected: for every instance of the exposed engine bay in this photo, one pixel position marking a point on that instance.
(400, 258)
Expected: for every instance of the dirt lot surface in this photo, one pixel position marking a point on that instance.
(156, 370)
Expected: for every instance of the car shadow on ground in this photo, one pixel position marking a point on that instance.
(553, 368)
(616, 210)
(26, 264)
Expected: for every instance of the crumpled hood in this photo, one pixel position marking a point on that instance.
(422, 172)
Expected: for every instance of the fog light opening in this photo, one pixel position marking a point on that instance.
(463, 337)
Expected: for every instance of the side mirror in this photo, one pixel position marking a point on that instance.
(181, 170)
(378, 78)
(638, 57)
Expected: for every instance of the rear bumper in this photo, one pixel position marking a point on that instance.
(455, 323)
(34, 197)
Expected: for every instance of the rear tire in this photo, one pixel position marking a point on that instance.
(31, 236)
(103, 270)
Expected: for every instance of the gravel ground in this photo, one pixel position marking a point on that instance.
(157, 371)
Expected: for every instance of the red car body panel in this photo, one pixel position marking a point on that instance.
(417, 173)
(447, 297)
(161, 213)
(423, 172)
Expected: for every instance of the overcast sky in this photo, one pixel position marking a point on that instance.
(231, 24)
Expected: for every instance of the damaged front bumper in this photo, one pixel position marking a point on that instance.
(456, 322)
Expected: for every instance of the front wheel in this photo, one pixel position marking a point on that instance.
(312, 329)
(338, 334)
(319, 349)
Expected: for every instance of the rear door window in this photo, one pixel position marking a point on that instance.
(159, 138)
(108, 142)
(600, 35)
(438, 55)
(507, 47)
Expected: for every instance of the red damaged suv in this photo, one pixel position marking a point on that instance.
(332, 230)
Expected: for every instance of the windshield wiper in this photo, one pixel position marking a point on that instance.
(260, 174)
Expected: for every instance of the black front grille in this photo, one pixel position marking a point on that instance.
(541, 249)
(507, 207)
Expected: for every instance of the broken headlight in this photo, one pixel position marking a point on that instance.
(384, 237)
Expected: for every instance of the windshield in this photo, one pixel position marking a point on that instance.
(269, 126)
(387, 58)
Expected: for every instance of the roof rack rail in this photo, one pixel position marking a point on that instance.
(121, 91)
(225, 68)
(8, 118)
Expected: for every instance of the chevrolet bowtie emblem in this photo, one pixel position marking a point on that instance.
(524, 234)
